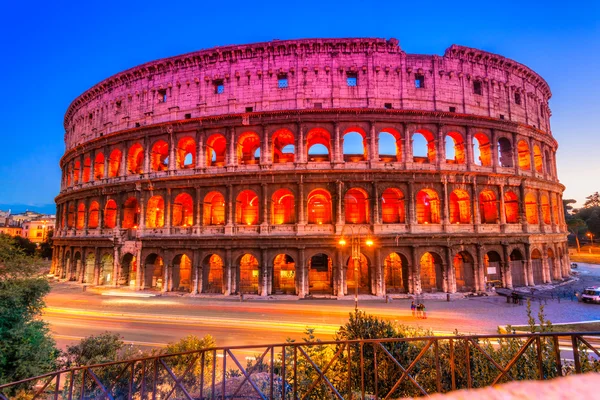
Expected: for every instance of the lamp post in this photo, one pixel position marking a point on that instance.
(591, 236)
(355, 241)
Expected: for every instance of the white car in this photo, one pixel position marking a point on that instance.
(591, 294)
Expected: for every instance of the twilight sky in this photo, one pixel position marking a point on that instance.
(53, 51)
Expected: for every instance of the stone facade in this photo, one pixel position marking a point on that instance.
(228, 170)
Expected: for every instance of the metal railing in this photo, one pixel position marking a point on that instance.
(376, 368)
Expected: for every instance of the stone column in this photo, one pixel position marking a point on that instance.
(506, 268)
(407, 154)
(232, 154)
(229, 210)
(265, 152)
(229, 287)
(81, 167)
(338, 145)
(416, 271)
(96, 266)
(300, 149)
(515, 153)
(502, 210)
(412, 214)
(199, 214)
(265, 209)
(342, 283)
(92, 163)
(302, 279)
(123, 166)
(300, 211)
(476, 216)
(200, 150)
(376, 219)
(440, 144)
(172, 154)
(450, 272)
(116, 266)
(546, 273)
(379, 274)
(340, 199)
(106, 161)
(529, 281)
(446, 202)
(143, 206)
(196, 272)
(532, 158)
(469, 149)
(494, 150)
(168, 209)
(264, 282)
(167, 275)
(139, 276)
(478, 268)
(147, 155)
(374, 150)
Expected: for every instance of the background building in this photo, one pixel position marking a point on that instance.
(239, 169)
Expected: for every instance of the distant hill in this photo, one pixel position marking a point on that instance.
(19, 208)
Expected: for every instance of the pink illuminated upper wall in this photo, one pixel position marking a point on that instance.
(463, 80)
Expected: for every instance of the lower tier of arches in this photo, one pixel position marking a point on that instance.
(314, 269)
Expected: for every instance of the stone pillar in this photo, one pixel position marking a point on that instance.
(506, 268)
(265, 209)
(450, 273)
(302, 279)
(515, 153)
(416, 271)
(338, 145)
(265, 151)
(494, 150)
(229, 210)
(532, 158)
(167, 273)
(440, 145)
(92, 163)
(147, 155)
(300, 208)
(116, 266)
(199, 204)
(143, 205)
(446, 202)
(168, 209)
(264, 286)
(502, 210)
(546, 273)
(469, 149)
(300, 148)
(408, 148)
(412, 213)
(228, 281)
(200, 150)
(81, 167)
(375, 205)
(172, 154)
(379, 274)
(529, 281)
(106, 161)
(232, 154)
(96, 266)
(196, 272)
(540, 211)
(139, 272)
(476, 216)
(123, 166)
(342, 284)
(374, 150)
(340, 199)
(522, 213)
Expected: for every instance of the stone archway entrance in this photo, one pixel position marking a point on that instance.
(212, 278)
(249, 274)
(464, 272)
(127, 274)
(432, 278)
(396, 273)
(358, 274)
(181, 280)
(284, 274)
(517, 268)
(320, 274)
(154, 272)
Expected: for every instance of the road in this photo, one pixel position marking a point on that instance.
(156, 321)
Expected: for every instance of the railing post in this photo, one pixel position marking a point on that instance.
(224, 372)
(283, 381)
(576, 354)
(557, 355)
(438, 373)
(375, 371)
(538, 343)
(452, 366)
(57, 388)
(362, 371)
(468, 363)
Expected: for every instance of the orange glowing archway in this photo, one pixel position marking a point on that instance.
(488, 207)
(459, 207)
(482, 150)
(216, 147)
(283, 146)
(247, 208)
(531, 208)
(114, 163)
(455, 147)
(283, 209)
(319, 207)
(511, 207)
(110, 214)
(183, 210)
(186, 153)
(248, 143)
(356, 206)
(392, 207)
(428, 207)
(99, 166)
(214, 209)
(318, 145)
(159, 157)
(135, 159)
(155, 212)
(93, 215)
(131, 213)
(80, 216)
(524, 155)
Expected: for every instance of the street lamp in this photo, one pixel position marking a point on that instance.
(591, 236)
(355, 239)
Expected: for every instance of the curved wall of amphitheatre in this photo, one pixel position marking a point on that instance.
(240, 168)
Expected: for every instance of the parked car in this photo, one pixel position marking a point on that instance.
(573, 265)
(591, 294)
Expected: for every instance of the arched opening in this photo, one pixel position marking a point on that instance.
(459, 207)
(464, 272)
(212, 269)
(183, 210)
(159, 157)
(358, 272)
(283, 210)
(78, 264)
(537, 267)
(482, 153)
(248, 143)
(76, 172)
(216, 147)
(531, 209)
(318, 145)
(135, 159)
(390, 145)
(538, 160)
(455, 148)
(99, 166)
(547, 163)
(320, 274)
(93, 215)
(110, 214)
(505, 153)
(131, 213)
(249, 274)
(87, 169)
(246, 208)
(553, 272)
(214, 209)
(517, 268)
(68, 175)
(90, 266)
(127, 273)
(492, 264)
(181, 280)
(555, 202)
(488, 207)
(432, 278)
(392, 207)
(284, 274)
(356, 207)
(283, 146)
(428, 207)
(524, 155)
(114, 163)
(319, 207)
(396, 273)
(354, 145)
(106, 269)
(545, 209)
(154, 272)
(511, 207)
(71, 215)
(155, 212)
(423, 143)
(186, 153)
(80, 216)
(66, 267)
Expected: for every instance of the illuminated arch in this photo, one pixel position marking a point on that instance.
(364, 274)
(114, 163)
(93, 215)
(87, 169)
(248, 274)
(392, 207)
(99, 166)
(284, 274)
(283, 209)
(76, 172)
(511, 207)
(460, 207)
(524, 155)
(135, 159)
(356, 206)
(71, 215)
(531, 209)
(488, 207)
(216, 148)
(545, 209)
(432, 278)
(181, 277)
(283, 146)
(395, 267)
(505, 153)
(390, 145)
(354, 145)
(318, 145)
(319, 207)
(464, 272)
(320, 274)
(428, 207)
(80, 216)
(131, 213)
(248, 144)
(213, 274)
(424, 150)
(154, 272)
(455, 147)
(159, 156)
(538, 160)
(106, 270)
(155, 212)
(186, 153)
(183, 210)
(246, 210)
(214, 209)
(482, 150)
(110, 214)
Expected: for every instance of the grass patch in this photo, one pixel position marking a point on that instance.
(585, 258)
(578, 327)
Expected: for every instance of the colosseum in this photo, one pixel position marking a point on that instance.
(270, 168)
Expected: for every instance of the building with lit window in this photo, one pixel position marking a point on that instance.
(240, 168)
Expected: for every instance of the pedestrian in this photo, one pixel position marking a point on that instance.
(413, 308)
(424, 314)
(419, 308)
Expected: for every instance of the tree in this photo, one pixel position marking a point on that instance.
(26, 245)
(592, 200)
(593, 223)
(567, 206)
(576, 225)
(46, 246)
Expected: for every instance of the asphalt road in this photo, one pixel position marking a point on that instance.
(156, 321)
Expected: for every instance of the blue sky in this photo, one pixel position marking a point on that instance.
(53, 51)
